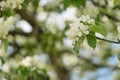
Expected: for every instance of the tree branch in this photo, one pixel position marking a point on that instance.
(116, 42)
(37, 30)
(16, 32)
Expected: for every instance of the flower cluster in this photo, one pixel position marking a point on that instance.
(79, 27)
(11, 4)
(4, 25)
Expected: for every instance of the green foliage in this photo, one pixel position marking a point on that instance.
(118, 56)
(34, 73)
(7, 12)
(23, 71)
(2, 61)
(6, 45)
(91, 40)
(29, 47)
(99, 28)
(48, 43)
(76, 3)
(77, 44)
(25, 4)
(35, 4)
(116, 2)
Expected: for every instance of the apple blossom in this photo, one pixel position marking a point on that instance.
(79, 27)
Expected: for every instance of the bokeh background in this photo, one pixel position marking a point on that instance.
(36, 47)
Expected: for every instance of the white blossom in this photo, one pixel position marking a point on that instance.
(86, 19)
(79, 27)
(55, 23)
(42, 16)
(5, 25)
(11, 4)
(5, 68)
(27, 61)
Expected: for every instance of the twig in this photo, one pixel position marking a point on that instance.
(110, 41)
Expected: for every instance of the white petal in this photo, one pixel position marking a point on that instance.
(86, 27)
(87, 17)
(91, 21)
(83, 18)
(80, 34)
(86, 32)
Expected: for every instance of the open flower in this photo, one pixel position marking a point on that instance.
(86, 19)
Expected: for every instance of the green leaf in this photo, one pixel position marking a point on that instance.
(1, 61)
(118, 56)
(35, 4)
(66, 3)
(116, 2)
(44, 73)
(83, 2)
(25, 3)
(99, 29)
(91, 40)
(7, 12)
(6, 45)
(23, 71)
(76, 3)
(77, 44)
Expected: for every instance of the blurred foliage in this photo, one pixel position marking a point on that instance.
(22, 53)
